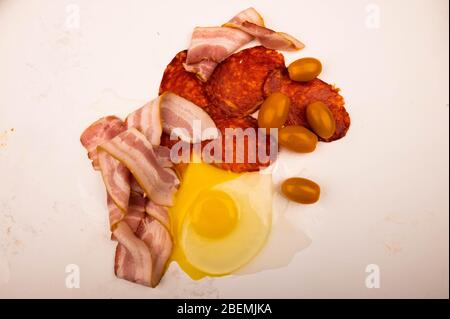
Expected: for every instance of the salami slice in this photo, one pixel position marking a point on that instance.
(250, 159)
(186, 84)
(236, 86)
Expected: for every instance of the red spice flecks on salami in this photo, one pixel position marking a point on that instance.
(186, 84)
(246, 153)
(236, 86)
(304, 93)
(252, 161)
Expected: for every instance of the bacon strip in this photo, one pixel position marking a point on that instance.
(117, 152)
(147, 120)
(163, 154)
(124, 266)
(136, 211)
(136, 153)
(249, 14)
(179, 113)
(134, 215)
(116, 178)
(159, 242)
(138, 266)
(135, 187)
(99, 132)
(158, 212)
(215, 43)
(115, 214)
(269, 38)
(211, 45)
(204, 69)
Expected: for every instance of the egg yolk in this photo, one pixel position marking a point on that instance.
(214, 214)
(220, 220)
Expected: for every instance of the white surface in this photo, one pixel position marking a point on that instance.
(385, 186)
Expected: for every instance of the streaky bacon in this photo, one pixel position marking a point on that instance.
(99, 132)
(115, 214)
(267, 37)
(249, 14)
(124, 267)
(211, 45)
(158, 212)
(215, 43)
(116, 178)
(147, 120)
(135, 187)
(158, 240)
(134, 215)
(180, 113)
(137, 154)
(133, 260)
(163, 154)
(133, 168)
(136, 211)
(204, 69)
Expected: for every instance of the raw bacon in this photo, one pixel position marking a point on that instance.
(134, 215)
(267, 37)
(147, 120)
(138, 266)
(108, 143)
(163, 154)
(136, 153)
(158, 212)
(159, 242)
(211, 45)
(135, 187)
(249, 14)
(116, 178)
(115, 214)
(203, 69)
(98, 132)
(215, 43)
(183, 115)
(136, 211)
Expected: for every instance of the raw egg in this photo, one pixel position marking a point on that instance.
(220, 220)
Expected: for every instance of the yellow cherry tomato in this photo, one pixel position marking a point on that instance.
(297, 138)
(274, 111)
(305, 69)
(321, 119)
(301, 190)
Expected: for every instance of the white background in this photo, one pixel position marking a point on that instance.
(385, 186)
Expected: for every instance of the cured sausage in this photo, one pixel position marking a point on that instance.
(252, 161)
(236, 86)
(187, 85)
